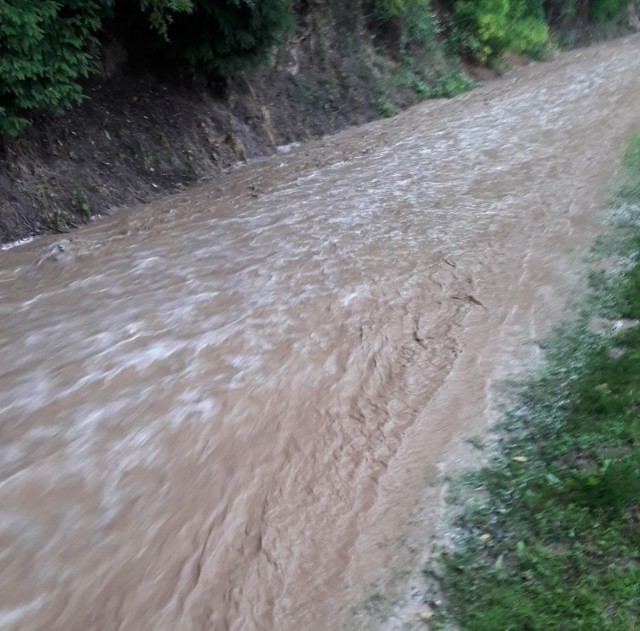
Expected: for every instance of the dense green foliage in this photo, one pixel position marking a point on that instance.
(49, 46)
(160, 12)
(218, 37)
(601, 10)
(411, 32)
(46, 47)
(486, 28)
(550, 534)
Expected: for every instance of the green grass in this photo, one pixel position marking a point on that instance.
(548, 533)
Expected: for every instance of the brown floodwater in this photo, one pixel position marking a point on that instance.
(217, 409)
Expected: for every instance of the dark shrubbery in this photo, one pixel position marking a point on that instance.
(223, 36)
(601, 10)
(47, 47)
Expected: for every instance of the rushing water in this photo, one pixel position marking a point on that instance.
(216, 407)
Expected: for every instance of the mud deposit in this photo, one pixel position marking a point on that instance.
(217, 409)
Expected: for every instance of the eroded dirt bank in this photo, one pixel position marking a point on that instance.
(145, 138)
(216, 408)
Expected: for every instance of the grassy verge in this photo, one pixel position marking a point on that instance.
(548, 533)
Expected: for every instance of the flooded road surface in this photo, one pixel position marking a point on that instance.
(217, 408)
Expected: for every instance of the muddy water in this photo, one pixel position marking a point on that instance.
(216, 408)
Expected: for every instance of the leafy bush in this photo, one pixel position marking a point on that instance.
(484, 29)
(160, 12)
(208, 37)
(222, 36)
(527, 33)
(47, 48)
(485, 25)
(404, 26)
(603, 10)
(450, 84)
